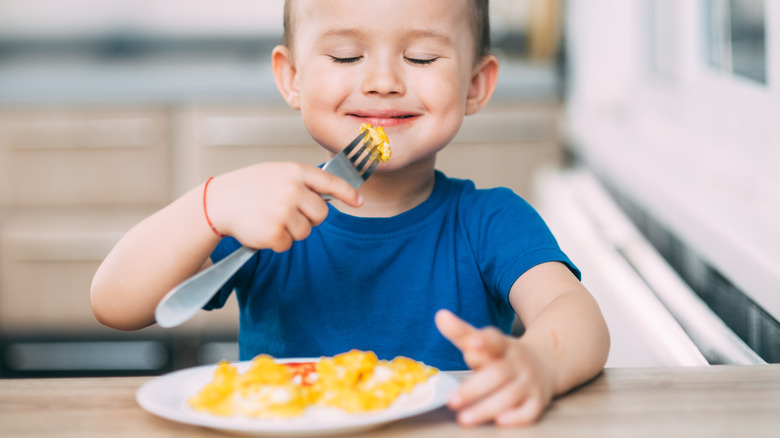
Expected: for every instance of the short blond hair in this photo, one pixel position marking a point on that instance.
(479, 21)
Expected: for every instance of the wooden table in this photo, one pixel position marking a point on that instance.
(717, 401)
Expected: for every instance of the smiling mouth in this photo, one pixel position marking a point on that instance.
(384, 119)
(381, 116)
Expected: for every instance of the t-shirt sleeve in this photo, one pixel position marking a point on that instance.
(225, 247)
(509, 237)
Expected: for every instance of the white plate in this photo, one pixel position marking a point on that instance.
(166, 396)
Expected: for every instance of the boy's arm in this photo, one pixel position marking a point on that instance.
(154, 256)
(565, 343)
(267, 205)
(563, 322)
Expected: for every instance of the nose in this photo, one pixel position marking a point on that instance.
(383, 77)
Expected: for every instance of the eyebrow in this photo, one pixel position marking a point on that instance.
(413, 34)
(429, 33)
(348, 32)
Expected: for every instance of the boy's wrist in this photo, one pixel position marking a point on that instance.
(545, 355)
(206, 210)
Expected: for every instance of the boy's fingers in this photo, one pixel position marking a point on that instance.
(313, 208)
(454, 329)
(526, 413)
(482, 383)
(325, 183)
(478, 346)
(299, 226)
(509, 405)
(492, 341)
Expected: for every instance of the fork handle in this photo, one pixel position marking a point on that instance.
(184, 301)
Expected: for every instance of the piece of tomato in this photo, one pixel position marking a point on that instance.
(306, 370)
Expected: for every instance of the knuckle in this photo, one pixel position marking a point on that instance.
(288, 192)
(279, 240)
(302, 232)
(282, 245)
(319, 215)
(292, 167)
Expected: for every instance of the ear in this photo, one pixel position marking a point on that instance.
(285, 75)
(483, 83)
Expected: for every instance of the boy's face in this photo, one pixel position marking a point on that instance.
(405, 65)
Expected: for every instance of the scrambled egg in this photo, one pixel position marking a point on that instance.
(377, 136)
(356, 382)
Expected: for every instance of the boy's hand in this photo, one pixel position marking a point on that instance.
(271, 205)
(510, 384)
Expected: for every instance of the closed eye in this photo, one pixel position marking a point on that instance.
(419, 61)
(350, 60)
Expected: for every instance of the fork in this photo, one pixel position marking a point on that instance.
(183, 302)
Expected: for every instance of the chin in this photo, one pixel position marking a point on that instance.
(401, 164)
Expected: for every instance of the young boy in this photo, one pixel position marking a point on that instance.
(376, 273)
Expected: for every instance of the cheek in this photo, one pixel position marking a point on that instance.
(446, 99)
(321, 85)
(321, 130)
(444, 91)
(315, 95)
(321, 95)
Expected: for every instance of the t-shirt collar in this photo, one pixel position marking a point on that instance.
(413, 218)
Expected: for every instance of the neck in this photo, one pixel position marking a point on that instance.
(391, 193)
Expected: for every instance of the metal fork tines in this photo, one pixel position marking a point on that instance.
(345, 164)
(354, 164)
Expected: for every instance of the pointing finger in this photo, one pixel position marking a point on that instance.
(453, 328)
(479, 346)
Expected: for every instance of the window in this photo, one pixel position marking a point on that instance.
(676, 103)
(735, 37)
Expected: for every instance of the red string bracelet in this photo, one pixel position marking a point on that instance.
(206, 211)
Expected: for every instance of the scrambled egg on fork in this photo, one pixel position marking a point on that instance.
(356, 382)
(376, 135)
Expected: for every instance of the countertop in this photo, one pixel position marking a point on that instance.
(713, 401)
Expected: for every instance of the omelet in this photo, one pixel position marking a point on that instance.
(355, 382)
(376, 135)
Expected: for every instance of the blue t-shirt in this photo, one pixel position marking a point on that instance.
(376, 283)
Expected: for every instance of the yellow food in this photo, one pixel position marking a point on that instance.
(378, 137)
(355, 382)
(266, 390)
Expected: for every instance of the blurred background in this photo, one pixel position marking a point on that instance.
(646, 132)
